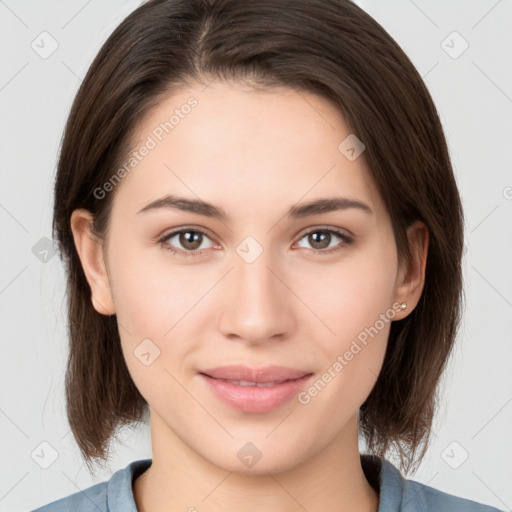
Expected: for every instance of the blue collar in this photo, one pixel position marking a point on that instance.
(396, 494)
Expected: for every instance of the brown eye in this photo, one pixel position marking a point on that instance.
(320, 240)
(190, 240)
(185, 242)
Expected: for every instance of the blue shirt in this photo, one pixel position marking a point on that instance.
(396, 494)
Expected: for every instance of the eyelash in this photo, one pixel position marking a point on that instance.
(346, 240)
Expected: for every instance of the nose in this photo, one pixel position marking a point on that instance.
(256, 303)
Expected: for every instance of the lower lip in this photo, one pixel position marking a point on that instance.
(253, 398)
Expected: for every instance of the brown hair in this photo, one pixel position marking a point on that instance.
(328, 47)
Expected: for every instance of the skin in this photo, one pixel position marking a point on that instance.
(254, 154)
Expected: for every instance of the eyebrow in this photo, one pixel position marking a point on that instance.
(316, 207)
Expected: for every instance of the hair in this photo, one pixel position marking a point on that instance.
(331, 48)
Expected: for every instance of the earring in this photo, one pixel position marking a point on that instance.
(403, 305)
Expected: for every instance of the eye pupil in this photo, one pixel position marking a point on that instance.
(318, 238)
(189, 241)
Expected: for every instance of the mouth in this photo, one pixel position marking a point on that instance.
(249, 384)
(255, 397)
(249, 376)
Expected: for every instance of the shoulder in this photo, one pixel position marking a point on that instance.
(420, 497)
(93, 498)
(397, 494)
(113, 495)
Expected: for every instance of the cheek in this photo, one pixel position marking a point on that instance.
(149, 295)
(352, 295)
(355, 304)
(156, 303)
(152, 314)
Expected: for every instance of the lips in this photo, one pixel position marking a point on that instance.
(247, 383)
(261, 390)
(246, 376)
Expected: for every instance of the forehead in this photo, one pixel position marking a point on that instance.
(230, 143)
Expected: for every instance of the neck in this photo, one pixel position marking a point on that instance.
(181, 479)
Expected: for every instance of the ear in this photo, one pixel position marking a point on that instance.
(411, 275)
(90, 251)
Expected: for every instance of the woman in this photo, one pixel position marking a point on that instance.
(263, 238)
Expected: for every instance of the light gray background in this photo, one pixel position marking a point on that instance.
(473, 93)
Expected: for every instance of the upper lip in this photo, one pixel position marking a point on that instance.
(266, 374)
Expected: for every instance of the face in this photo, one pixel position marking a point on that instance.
(258, 287)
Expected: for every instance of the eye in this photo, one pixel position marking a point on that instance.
(320, 240)
(191, 241)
